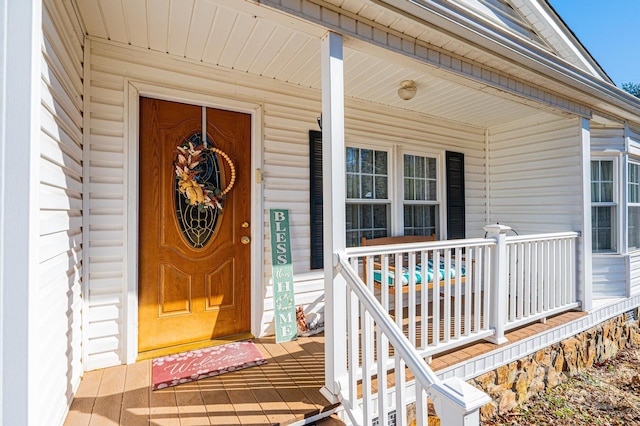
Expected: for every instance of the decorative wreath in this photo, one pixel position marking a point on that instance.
(188, 166)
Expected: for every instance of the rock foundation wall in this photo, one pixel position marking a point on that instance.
(516, 382)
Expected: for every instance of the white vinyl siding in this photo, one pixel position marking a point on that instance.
(59, 296)
(634, 274)
(535, 174)
(288, 113)
(610, 276)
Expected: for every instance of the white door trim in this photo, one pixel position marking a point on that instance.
(133, 90)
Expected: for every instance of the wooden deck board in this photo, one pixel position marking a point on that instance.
(283, 391)
(82, 405)
(106, 410)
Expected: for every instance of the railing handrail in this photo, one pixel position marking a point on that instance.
(418, 366)
(427, 245)
(542, 237)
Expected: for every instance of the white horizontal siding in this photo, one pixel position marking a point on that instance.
(634, 273)
(607, 139)
(609, 276)
(535, 174)
(288, 114)
(59, 296)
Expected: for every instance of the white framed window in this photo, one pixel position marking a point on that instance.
(603, 206)
(368, 204)
(420, 200)
(633, 206)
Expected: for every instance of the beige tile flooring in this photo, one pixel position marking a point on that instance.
(283, 391)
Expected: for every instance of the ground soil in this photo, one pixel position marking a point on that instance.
(607, 394)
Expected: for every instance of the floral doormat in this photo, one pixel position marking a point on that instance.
(199, 364)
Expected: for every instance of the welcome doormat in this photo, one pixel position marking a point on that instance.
(199, 364)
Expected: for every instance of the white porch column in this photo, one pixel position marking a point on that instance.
(333, 175)
(499, 283)
(584, 276)
(20, 44)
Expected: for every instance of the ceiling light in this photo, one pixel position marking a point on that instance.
(407, 89)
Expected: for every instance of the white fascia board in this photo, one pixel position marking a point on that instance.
(547, 14)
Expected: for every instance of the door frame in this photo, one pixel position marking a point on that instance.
(134, 89)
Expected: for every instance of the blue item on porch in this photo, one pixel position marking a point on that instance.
(377, 273)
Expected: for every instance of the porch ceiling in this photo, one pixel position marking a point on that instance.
(251, 38)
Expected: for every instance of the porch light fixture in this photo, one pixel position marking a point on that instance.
(407, 90)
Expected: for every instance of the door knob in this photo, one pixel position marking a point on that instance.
(245, 240)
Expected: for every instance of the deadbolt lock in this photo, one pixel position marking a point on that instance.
(245, 240)
(245, 224)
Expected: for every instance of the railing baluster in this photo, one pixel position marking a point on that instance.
(478, 292)
(526, 270)
(457, 293)
(447, 295)
(422, 407)
(367, 363)
(383, 358)
(512, 256)
(424, 301)
(520, 296)
(435, 299)
(401, 404)
(352, 346)
(412, 298)
(468, 282)
(398, 289)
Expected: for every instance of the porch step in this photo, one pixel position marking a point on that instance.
(330, 421)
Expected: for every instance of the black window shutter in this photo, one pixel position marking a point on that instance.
(455, 195)
(315, 190)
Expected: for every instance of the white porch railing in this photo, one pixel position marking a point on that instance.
(437, 292)
(386, 373)
(541, 276)
(421, 299)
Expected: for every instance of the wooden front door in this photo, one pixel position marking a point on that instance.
(194, 258)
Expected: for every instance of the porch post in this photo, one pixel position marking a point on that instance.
(20, 43)
(499, 282)
(333, 174)
(584, 278)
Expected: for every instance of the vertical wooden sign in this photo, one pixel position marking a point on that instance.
(283, 302)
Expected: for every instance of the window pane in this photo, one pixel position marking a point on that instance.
(366, 220)
(381, 162)
(431, 171)
(595, 171)
(420, 220)
(367, 186)
(420, 190)
(353, 186)
(366, 216)
(595, 192)
(420, 171)
(352, 159)
(606, 192)
(432, 191)
(606, 170)
(382, 191)
(366, 161)
(409, 167)
(380, 216)
(602, 219)
(361, 177)
(634, 227)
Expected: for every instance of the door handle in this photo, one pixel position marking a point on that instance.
(245, 240)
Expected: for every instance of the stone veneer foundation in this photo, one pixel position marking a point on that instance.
(516, 382)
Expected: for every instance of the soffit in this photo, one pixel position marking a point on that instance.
(260, 41)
